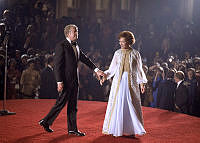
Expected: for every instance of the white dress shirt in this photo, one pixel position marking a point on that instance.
(77, 47)
(50, 67)
(178, 83)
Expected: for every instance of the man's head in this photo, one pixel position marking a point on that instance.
(179, 75)
(6, 13)
(24, 59)
(71, 31)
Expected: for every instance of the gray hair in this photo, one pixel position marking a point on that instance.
(68, 28)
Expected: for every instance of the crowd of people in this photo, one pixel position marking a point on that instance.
(174, 86)
(169, 49)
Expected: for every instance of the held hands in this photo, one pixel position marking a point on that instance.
(103, 79)
(60, 86)
(142, 87)
(101, 76)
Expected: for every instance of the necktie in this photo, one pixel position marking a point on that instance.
(75, 50)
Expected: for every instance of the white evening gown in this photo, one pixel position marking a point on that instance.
(123, 113)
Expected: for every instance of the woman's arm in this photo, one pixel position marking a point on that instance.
(113, 67)
(141, 77)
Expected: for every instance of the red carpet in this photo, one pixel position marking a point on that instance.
(161, 126)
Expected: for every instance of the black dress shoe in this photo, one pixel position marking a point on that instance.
(77, 133)
(45, 126)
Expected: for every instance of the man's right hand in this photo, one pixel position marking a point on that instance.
(60, 87)
(100, 74)
(103, 79)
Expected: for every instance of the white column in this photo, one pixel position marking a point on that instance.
(186, 11)
(61, 8)
(190, 10)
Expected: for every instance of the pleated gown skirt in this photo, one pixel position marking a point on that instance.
(121, 116)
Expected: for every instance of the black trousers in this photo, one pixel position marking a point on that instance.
(70, 95)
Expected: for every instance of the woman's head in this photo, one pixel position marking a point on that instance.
(126, 39)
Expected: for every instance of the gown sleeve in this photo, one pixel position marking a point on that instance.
(113, 67)
(141, 77)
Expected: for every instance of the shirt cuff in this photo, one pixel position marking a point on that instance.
(96, 70)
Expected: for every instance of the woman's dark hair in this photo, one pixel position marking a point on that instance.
(129, 37)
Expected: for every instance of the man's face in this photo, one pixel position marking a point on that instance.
(73, 34)
(176, 79)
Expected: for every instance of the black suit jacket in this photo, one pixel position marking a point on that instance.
(48, 85)
(165, 96)
(181, 97)
(66, 63)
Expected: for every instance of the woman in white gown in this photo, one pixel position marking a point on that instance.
(124, 114)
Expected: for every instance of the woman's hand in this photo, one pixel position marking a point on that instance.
(142, 87)
(103, 79)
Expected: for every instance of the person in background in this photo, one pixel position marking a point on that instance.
(166, 91)
(48, 85)
(181, 93)
(197, 101)
(192, 89)
(13, 80)
(159, 76)
(2, 72)
(24, 59)
(30, 80)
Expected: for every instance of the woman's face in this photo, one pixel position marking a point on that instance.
(123, 44)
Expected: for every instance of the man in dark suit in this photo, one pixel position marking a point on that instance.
(166, 91)
(67, 56)
(181, 94)
(48, 85)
